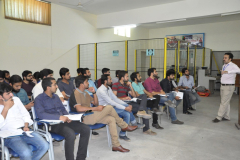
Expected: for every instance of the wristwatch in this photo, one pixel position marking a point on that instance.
(94, 93)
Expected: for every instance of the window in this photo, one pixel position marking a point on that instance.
(28, 10)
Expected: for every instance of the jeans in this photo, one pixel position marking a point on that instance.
(68, 130)
(21, 145)
(170, 97)
(194, 97)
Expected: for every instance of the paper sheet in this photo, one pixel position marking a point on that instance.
(162, 95)
(51, 121)
(74, 117)
(179, 94)
(151, 98)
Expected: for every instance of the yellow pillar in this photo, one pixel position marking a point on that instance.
(178, 55)
(135, 61)
(150, 63)
(126, 55)
(215, 62)
(188, 56)
(165, 58)
(95, 61)
(78, 56)
(195, 61)
(176, 62)
(203, 57)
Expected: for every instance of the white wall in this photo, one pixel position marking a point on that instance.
(220, 36)
(34, 47)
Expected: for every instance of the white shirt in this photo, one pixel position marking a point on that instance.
(106, 96)
(16, 117)
(232, 69)
(37, 89)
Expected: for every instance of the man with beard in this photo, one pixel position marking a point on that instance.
(152, 85)
(16, 83)
(6, 76)
(28, 82)
(1, 76)
(80, 101)
(187, 82)
(104, 71)
(65, 85)
(86, 72)
(167, 87)
(107, 97)
(153, 104)
(14, 117)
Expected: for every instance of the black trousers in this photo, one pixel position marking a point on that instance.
(186, 101)
(154, 104)
(68, 131)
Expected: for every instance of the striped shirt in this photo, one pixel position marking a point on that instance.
(122, 90)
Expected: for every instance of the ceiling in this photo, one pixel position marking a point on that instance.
(109, 6)
(193, 21)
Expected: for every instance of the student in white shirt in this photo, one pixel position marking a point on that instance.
(38, 87)
(229, 71)
(15, 116)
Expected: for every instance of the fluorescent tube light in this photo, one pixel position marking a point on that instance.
(230, 13)
(176, 20)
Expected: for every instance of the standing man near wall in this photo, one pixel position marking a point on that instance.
(228, 72)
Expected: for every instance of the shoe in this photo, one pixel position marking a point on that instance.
(157, 126)
(225, 119)
(125, 138)
(139, 125)
(150, 132)
(155, 110)
(143, 114)
(187, 112)
(216, 120)
(190, 108)
(95, 133)
(170, 104)
(120, 149)
(177, 122)
(129, 128)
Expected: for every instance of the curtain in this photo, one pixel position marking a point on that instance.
(28, 10)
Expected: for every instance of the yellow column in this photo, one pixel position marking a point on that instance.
(195, 61)
(203, 57)
(178, 55)
(135, 61)
(126, 55)
(188, 56)
(176, 62)
(165, 57)
(95, 61)
(215, 62)
(150, 63)
(78, 56)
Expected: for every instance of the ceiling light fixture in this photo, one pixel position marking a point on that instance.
(230, 13)
(176, 20)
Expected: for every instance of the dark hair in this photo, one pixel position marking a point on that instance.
(47, 82)
(4, 87)
(2, 74)
(170, 72)
(25, 73)
(63, 71)
(104, 78)
(50, 71)
(84, 71)
(44, 73)
(36, 75)
(79, 70)
(133, 76)
(121, 74)
(117, 72)
(151, 70)
(15, 79)
(230, 55)
(104, 70)
(183, 70)
(80, 80)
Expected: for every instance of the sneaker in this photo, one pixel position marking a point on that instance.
(150, 132)
(143, 114)
(225, 119)
(140, 126)
(125, 138)
(216, 120)
(170, 104)
(157, 126)
(177, 122)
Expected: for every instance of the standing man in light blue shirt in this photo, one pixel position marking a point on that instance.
(187, 82)
(86, 72)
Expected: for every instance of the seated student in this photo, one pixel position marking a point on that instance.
(38, 87)
(104, 71)
(6, 76)
(168, 87)
(49, 106)
(115, 79)
(28, 82)
(36, 77)
(16, 83)
(107, 97)
(139, 90)
(152, 85)
(86, 72)
(187, 82)
(15, 116)
(2, 76)
(122, 88)
(79, 71)
(80, 101)
(65, 85)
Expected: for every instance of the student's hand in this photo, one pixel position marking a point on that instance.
(177, 98)
(31, 104)
(129, 84)
(91, 89)
(99, 108)
(25, 129)
(127, 98)
(62, 99)
(9, 103)
(224, 72)
(64, 119)
(129, 109)
(186, 87)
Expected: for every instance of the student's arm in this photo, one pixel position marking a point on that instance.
(27, 102)
(95, 98)
(132, 92)
(235, 70)
(81, 108)
(180, 83)
(148, 93)
(7, 105)
(65, 95)
(24, 113)
(60, 95)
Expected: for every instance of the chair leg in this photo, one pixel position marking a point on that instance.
(63, 143)
(195, 106)
(109, 137)
(167, 112)
(160, 118)
(7, 155)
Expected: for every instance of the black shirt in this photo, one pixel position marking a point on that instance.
(166, 85)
